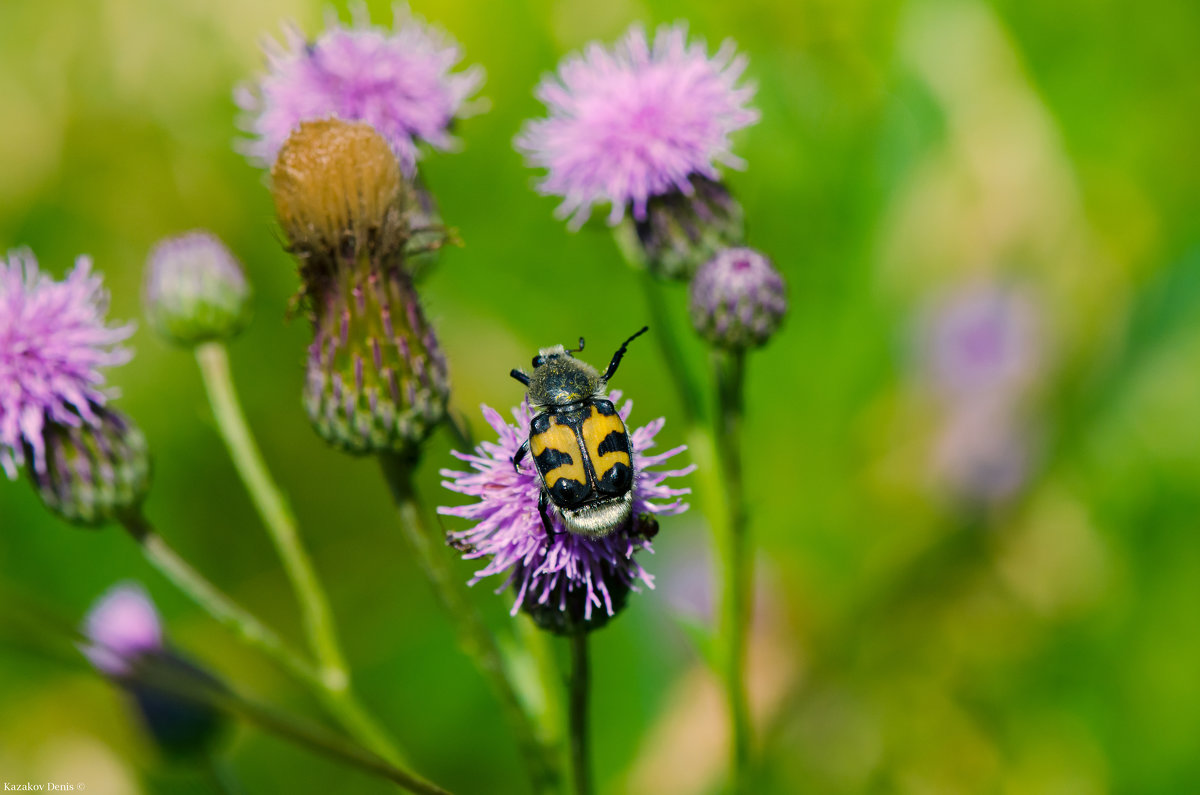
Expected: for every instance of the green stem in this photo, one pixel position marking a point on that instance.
(662, 329)
(163, 675)
(737, 592)
(273, 508)
(335, 691)
(219, 606)
(578, 687)
(459, 430)
(534, 647)
(223, 779)
(476, 640)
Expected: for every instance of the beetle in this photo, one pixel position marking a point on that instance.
(579, 443)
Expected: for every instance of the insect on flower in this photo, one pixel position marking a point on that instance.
(578, 442)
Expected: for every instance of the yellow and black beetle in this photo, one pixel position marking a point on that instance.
(580, 446)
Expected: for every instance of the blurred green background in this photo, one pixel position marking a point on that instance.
(909, 639)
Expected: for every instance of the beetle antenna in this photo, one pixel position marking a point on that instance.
(520, 376)
(616, 359)
(577, 350)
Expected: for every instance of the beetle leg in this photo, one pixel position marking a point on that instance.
(543, 504)
(520, 455)
(520, 376)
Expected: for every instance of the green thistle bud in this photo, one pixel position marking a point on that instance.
(196, 290)
(377, 381)
(376, 377)
(681, 232)
(94, 472)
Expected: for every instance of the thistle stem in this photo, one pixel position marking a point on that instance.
(215, 603)
(273, 508)
(277, 516)
(473, 635)
(737, 591)
(578, 687)
(308, 735)
(222, 777)
(663, 331)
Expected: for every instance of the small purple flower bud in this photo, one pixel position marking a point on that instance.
(377, 380)
(93, 472)
(196, 290)
(637, 120)
(738, 299)
(567, 582)
(682, 231)
(166, 691)
(122, 626)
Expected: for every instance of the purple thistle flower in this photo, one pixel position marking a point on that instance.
(571, 578)
(982, 339)
(53, 342)
(122, 626)
(397, 81)
(635, 121)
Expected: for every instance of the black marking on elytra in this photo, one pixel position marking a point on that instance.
(568, 492)
(605, 408)
(617, 480)
(615, 442)
(572, 415)
(550, 459)
(540, 424)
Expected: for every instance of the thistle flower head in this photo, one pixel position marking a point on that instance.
(568, 581)
(196, 289)
(681, 231)
(53, 343)
(637, 120)
(334, 183)
(377, 380)
(738, 299)
(94, 472)
(399, 81)
(121, 626)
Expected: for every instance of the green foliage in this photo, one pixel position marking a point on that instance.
(910, 644)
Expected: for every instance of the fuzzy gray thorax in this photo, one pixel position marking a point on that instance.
(561, 379)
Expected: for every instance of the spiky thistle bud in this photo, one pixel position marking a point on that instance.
(377, 380)
(738, 299)
(94, 472)
(195, 290)
(682, 230)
